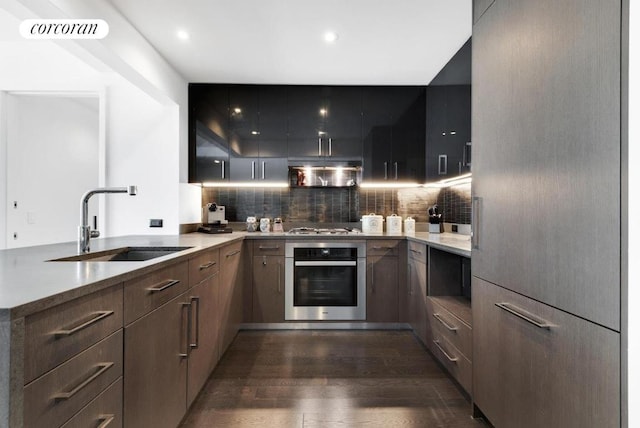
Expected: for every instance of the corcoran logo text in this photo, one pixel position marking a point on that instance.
(64, 29)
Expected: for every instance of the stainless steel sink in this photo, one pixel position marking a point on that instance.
(125, 254)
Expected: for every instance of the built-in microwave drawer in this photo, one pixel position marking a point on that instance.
(55, 397)
(150, 291)
(58, 333)
(203, 266)
(382, 247)
(270, 247)
(417, 251)
(105, 411)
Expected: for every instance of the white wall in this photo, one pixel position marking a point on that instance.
(633, 356)
(142, 150)
(52, 148)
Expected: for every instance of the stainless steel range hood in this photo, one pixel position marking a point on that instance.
(319, 173)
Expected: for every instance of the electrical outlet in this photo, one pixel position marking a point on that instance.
(155, 222)
(454, 228)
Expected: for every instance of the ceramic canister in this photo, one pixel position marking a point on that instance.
(372, 223)
(265, 224)
(394, 224)
(409, 226)
(252, 224)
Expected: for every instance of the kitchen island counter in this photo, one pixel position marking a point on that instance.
(30, 282)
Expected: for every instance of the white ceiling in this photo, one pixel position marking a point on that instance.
(390, 42)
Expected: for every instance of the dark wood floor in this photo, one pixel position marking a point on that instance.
(329, 379)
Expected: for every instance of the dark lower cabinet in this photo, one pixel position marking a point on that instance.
(382, 280)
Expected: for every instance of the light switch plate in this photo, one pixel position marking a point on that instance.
(155, 222)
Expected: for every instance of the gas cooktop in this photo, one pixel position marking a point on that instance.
(315, 231)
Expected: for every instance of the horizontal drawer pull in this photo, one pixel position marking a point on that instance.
(207, 265)
(383, 248)
(105, 420)
(277, 247)
(233, 254)
(84, 323)
(415, 251)
(528, 317)
(102, 367)
(449, 357)
(327, 263)
(161, 286)
(444, 323)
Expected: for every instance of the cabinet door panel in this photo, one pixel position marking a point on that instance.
(268, 287)
(231, 293)
(382, 288)
(567, 375)
(204, 335)
(155, 375)
(307, 126)
(546, 135)
(418, 304)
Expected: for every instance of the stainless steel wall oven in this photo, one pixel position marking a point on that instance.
(325, 281)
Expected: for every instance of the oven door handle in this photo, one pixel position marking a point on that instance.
(326, 263)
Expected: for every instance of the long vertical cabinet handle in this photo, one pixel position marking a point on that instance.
(476, 205)
(329, 146)
(385, 171)
(373, 286)
(253, 170)
(223, 174)
(187, 305)
(279, 278)
(319, 146)
(195, 300)
(395, 166)
(263, 170)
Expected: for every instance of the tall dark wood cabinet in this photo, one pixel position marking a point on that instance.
(546, 206)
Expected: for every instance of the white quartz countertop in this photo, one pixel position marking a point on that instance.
(29, 281)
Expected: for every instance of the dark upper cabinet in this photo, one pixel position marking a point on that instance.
(209, 133)
(448, 131)
(393, 124)
(257, 133)
(325, 122)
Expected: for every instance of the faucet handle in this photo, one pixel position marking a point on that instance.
(94, 233)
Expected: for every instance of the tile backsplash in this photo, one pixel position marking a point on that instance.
(340, 205)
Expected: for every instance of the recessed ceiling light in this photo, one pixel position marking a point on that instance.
(330, 36)
(237, 110)
(182, 35)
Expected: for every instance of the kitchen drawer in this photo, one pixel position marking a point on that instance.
(535, 366)
(417, 251)
(147, 292)
(56, 396)
(105, 411)
(454, 361)
(269, 247)
(203, 266)
(382, 247)
(57, 334)
(450, 326)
